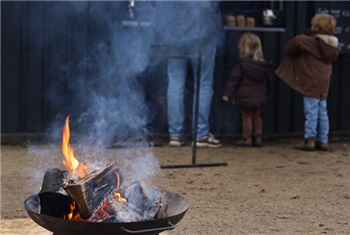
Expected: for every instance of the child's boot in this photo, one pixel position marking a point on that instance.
(258, 141)
(323, 146)
(307, 145)
(245, 142)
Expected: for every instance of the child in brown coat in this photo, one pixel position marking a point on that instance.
(307, 68)
(249, 83)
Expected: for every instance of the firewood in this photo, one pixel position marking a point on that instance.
(120, 212)
(54, 181)
(91, 191)
(52, 190)
(162, 211)
(149, 203)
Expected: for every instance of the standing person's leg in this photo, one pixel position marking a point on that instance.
(205, 138)
(177, 71)
(311, 114)
(323, 126)
(205, 88)
(257, 123)
(247, 127)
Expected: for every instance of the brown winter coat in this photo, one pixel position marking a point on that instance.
(307, 66)
(249, 81)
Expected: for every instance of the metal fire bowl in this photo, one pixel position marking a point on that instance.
(177, 207)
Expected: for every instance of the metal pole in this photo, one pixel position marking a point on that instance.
(196, 108)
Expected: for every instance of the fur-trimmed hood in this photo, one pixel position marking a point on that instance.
(329, 46)
(330, 40)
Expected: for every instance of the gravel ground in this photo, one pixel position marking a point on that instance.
(270, 190)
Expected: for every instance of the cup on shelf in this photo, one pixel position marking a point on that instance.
(250, 22)
(240, 21)
(230, 20)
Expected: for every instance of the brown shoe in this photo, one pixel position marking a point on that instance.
(245, 142)
(321, 146)
(258, 141)
(307, 145)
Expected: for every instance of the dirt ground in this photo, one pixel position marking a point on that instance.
(270, 190)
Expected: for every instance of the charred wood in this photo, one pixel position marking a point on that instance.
(54, 200)
(149, 203)
(54, 181)
(120, 212)
(91, 191)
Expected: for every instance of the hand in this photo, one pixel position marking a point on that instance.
(225, 98)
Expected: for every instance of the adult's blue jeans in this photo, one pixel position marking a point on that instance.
(316, 119)
(177, 74)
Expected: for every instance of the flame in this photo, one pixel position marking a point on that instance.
(118, 180)
(119, 197)
(70, 214)
(70, 161)
(73, 214)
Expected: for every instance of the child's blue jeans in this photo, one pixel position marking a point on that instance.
(316, 119)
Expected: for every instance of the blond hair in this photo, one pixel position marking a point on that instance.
(250, 45)
(323, 23)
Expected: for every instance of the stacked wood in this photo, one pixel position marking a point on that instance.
(95, 197)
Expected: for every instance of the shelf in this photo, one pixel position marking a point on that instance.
(255, 29)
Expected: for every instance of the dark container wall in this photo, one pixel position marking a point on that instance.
(37, 88)
(10, 67)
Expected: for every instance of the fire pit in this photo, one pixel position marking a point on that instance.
(82, 201)
(177, 207)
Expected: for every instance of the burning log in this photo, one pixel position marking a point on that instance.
(54, 181)
(91, 191)
(52, 190)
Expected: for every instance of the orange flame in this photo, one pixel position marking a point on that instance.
(118, 180)
(70, 214)
(119, 197)
(70, 161)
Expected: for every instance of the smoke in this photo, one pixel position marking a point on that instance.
(108, 94)
(96, 71)
(110, 57)
(103, 63)
(39, 159)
